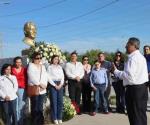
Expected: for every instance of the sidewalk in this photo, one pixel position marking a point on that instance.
(101, 119)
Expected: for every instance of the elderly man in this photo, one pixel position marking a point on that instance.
(135, 76)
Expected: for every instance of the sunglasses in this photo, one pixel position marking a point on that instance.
(118, 55)
(38, 58)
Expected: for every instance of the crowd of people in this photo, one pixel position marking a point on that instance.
(128, 78)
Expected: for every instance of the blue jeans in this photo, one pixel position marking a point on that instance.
(10, 113)
(21, 105)
(56, 98)
(37, 109)
(99, 98)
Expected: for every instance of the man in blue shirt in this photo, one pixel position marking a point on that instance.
(107, 65)
(99, 83)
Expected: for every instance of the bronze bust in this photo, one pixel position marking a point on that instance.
(30, 33)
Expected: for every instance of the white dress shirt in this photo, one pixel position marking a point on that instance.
(73, 70)
(135, 70)
(8, 87)
(55, 72)
(34, 76)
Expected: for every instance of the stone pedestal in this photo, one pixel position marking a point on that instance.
(25, 52)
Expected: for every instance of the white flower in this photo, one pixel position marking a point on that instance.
(45, 49)
(53, 50)
(72, 106)
(37, 49)
(51, 54)
(45, 54)
(59, 53)
(63, 57)
(41, 46)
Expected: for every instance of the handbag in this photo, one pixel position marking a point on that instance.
(34, 90)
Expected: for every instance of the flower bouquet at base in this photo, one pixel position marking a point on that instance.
(47, 50)
(68, 110)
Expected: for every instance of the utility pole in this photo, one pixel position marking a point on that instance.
(1, 46)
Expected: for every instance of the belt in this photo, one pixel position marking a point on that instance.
(128, 86)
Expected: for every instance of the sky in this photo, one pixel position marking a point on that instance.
(79, 25)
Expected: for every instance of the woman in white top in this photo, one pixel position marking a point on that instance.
(55, 72)
(37, 75)
(8, 96)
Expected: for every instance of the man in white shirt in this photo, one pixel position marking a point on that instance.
(135, 76)
(75, 72)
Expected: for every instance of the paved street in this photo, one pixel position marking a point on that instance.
(101, 119)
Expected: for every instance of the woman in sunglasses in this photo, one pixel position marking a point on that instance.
(37, 76)
(118, 84)
(86, 88)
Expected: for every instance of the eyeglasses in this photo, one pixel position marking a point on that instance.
(38, 58)
(118, 55)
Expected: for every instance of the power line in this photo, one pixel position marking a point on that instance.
(97, 22)
(73, 18)
(80, 16)
(107, 29)
(36, 9)
(99, 25)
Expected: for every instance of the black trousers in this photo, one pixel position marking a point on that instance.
(74, 89)
(37, 109)
(136, 102)
(120, 96)
(86, 96)
(10, 112)
(149, 84)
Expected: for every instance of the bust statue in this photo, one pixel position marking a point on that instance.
(30, 33)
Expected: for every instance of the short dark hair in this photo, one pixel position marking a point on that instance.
(17, 58)
(84, 57)
(101, 53)
(35, 54)
(146, 46)
(5, 66)
(74, 52)
(53, 59)
(134, 41)
(96, 61)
